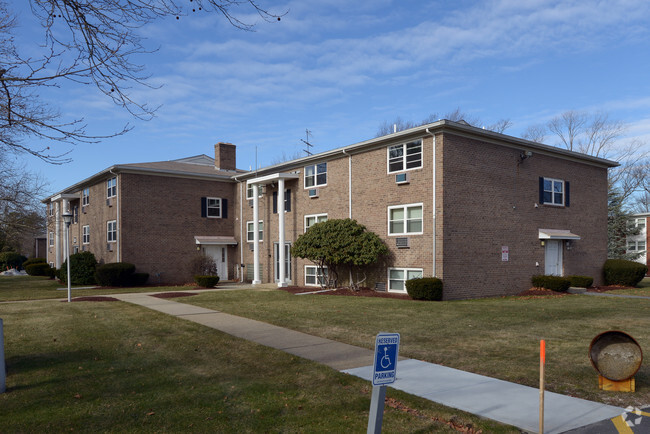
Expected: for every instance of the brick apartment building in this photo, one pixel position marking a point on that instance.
(639, 243)
(481, 210)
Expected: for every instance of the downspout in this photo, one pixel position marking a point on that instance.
(240, 270)
(57, 236)
(118, 219)
(433, 202)
(349, 197)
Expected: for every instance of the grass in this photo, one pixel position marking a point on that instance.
(498, 337)
(13, 288)
(111, 366)
(642, 289)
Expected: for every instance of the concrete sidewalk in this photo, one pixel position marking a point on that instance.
(487, 397)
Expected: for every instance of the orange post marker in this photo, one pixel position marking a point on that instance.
(542, 363)
(542, 351)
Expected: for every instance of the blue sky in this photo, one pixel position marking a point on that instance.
(341, 68)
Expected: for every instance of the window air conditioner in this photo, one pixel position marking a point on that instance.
(109, 247)
(313, 193)
(402, 178)
(402, 242)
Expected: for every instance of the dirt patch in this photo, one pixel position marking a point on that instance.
(362, 292)
(541, 292)
(92, 298)
(172, 294)
(607, 288)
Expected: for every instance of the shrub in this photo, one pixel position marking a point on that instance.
(203, 265)
(114, 274)
(39, 269)
(206, 281)
(425, 288)
(554, 283)
(11, 260)
(31, 261)
(623, 272)
(581, 281)
(82, 269)
(139, 279)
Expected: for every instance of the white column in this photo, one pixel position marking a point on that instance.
(57, 236)
(283, 281)
(256, 235)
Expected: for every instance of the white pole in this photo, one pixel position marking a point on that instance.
(256, 235)
(3, 372)
(67, 255)
(282, 278)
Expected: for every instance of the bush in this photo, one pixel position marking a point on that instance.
(203, 265)
(206, 281)
(39, 269)
(114, 274)
(82, 269)
(623, 272)
(31, 261)
(11, 260)
(139, 279)
(554, 283)
(581, 281)
(425, 288)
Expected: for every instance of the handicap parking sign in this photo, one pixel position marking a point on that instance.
(385, 366)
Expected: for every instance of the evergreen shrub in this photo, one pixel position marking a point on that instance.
(581, 281)
(425, 288)
(206, 281)
(623, 272)
(114, 274)
(82, 269)
(554, 283)
(39, 269)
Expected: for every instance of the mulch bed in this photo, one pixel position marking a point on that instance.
(538, 292)
(92, 298)
(362, 292)
(172, 294)
(607, 288)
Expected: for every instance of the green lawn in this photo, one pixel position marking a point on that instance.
(14, 288)
(643, 289)
(115, 367)
(498, 337)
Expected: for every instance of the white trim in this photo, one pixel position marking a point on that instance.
(260, 230)
(83, 235)
(553, 181)
(405, 270)
(316, 216)
(207, 207)
(108, 231)
(405, 221)
(315, 175)
(315, 274)
(404, 168)
(110, 187)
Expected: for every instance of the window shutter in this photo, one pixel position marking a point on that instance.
(224, 208)
(287, 197)
(567, 195)
(541, 190)
(204, 207)
(275, 202)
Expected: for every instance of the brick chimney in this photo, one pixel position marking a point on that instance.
(225, 156)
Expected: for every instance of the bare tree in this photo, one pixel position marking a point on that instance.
(91, 43)
(535, 133)
(455, 115)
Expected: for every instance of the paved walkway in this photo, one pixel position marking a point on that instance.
(499, 400)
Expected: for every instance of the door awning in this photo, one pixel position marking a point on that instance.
(216, 240)
(557, 234)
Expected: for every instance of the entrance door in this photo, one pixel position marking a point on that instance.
(553, 258)
(287, 261)
(220, 256)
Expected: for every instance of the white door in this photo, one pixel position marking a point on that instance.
(220, 256)
(287, 261)
(553, 258)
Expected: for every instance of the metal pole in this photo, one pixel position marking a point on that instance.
(3, 372)
(376, 416)
(67, 255)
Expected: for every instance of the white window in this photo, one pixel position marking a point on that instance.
(638, 222)
(397, 277)
(111, 231)
(51, 208)
(315, 276)
(405, 219)
(51, 239)
(316, 175)
(111, 188)
(85, 196)
(553, 191)
(249, 191)
(636, 246)
(213, 207)
(85, 234)
(311, 220)
(250, 234)
(405, 156)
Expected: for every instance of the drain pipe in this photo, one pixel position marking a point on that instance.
(433, 202)
(240, 270)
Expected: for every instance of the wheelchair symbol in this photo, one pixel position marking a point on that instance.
(385, 361)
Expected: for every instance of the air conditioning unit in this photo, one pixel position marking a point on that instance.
(313, 193)
(251, 246)
(109, 247)
(250, 203)
(402, 242)
(83, 209)
(109, 202)
(402, 178)
(380, 286)
(84, 248)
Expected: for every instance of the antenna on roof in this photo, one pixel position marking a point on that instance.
(306, 142)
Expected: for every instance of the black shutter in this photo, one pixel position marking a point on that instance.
(287, 200)
(204, 207)
(567, 195)
(275, 202)
(541, 190)
(224, 208)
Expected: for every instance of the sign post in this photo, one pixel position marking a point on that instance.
(542, 363)
(384, 372)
